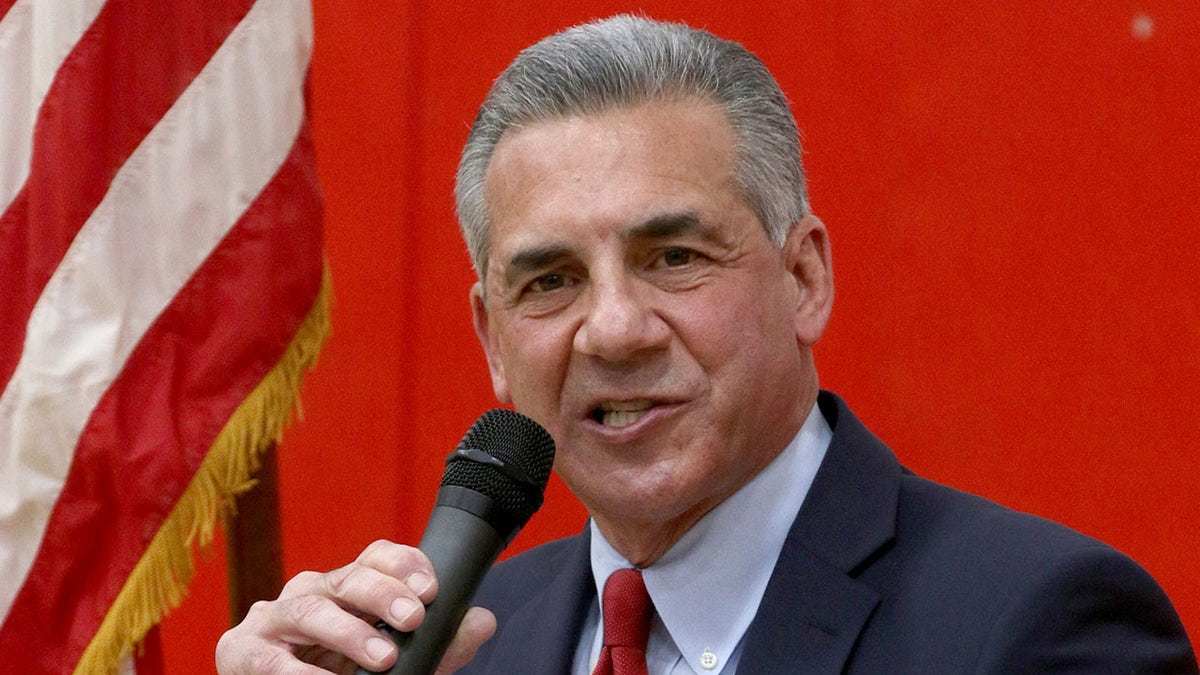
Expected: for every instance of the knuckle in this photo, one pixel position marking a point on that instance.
(374, 549)
(397, 560)
(225, 655)
(337, 582)
(259, 611)
(267, 661)
(301, 581)
(304, 610)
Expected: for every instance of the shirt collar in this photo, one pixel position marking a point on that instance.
(706, 589)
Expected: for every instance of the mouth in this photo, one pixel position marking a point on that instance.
(620, 413)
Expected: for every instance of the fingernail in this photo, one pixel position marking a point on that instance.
(401, 609)
(419, 582)
(378, 648)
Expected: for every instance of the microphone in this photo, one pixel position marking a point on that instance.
(492, 484)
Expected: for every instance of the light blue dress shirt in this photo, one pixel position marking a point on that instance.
(706, 589)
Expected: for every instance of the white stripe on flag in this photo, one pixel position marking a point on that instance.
(35, 38)
(169, 206)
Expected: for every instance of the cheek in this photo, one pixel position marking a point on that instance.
(535, 356)
(745, 347)
(722, 331)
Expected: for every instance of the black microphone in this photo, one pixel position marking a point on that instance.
(493, 483)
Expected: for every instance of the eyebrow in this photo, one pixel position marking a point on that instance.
(662, 226)
(665, 226)
(534, 258)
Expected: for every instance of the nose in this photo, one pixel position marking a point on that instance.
(622, 321)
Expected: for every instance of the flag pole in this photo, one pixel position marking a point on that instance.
(254, 542)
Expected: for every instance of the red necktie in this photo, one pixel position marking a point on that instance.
(627, 611)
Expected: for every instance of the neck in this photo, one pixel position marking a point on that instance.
(643, 544)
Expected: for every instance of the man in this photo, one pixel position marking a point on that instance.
(651, 284)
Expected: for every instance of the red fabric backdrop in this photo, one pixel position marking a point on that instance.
(1011, 193)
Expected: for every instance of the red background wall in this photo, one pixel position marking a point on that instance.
(1011, 193)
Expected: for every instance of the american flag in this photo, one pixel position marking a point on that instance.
(162, 290)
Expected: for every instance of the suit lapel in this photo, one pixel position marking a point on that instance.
(814, 608)
(809, 620)
(541, 635)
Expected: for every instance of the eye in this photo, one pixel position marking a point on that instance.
(676, 257)
(549, 282)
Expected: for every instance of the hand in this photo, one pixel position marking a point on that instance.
(323, 622)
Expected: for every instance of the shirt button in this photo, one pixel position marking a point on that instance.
(708, 660)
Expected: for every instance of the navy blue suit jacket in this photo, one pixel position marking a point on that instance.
(885, 572)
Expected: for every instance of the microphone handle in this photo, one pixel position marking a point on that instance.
(462, 547)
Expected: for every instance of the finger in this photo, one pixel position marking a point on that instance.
(406, 563)
(239, 652)
(476, 628)
(363, 591)
(318, 620)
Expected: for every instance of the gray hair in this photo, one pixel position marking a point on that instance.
(624, 61)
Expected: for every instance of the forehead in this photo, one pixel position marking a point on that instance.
(610, 171)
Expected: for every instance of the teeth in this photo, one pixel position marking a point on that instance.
(622, 413)
(620, 418)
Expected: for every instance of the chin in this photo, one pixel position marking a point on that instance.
(648, 502)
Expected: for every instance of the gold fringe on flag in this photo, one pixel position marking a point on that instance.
(160, 579)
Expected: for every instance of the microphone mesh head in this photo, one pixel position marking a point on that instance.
(525, 454)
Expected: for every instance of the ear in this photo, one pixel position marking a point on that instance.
(490, 340)
(808, 259)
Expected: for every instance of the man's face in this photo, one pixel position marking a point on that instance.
(636, 308)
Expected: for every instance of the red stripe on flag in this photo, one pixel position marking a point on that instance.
(122, 76)
(210, 348)
(6, 5)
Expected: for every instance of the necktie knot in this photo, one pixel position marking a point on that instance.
(627, 612)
